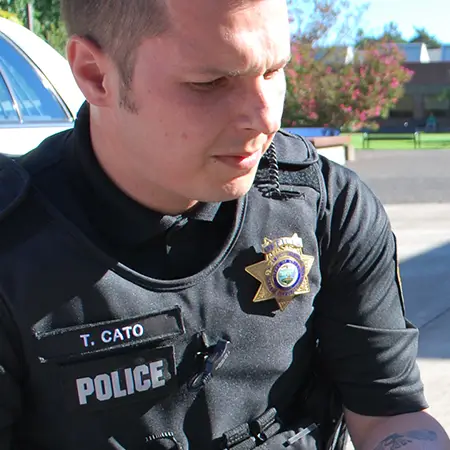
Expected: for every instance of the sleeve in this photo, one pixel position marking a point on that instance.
(368, 347)
(10, 374)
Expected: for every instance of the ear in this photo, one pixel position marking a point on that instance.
(91, 68)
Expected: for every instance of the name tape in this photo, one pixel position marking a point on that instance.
(75, 341)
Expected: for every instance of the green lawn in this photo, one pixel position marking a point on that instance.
(428, 140)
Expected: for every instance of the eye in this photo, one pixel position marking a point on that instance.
(271, 73)
(209, 85)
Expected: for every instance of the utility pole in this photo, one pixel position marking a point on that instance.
(30, 21)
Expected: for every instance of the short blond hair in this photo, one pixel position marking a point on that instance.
(116, 26)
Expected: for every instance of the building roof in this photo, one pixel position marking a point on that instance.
(445, 56)
(415, 52)
(338, 54)
(435, 54)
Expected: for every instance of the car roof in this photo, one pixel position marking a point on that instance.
(54, 66)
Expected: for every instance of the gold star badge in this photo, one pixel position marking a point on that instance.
(284, 271)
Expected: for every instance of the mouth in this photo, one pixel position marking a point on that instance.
(245, 161)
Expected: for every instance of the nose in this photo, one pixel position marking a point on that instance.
(261, 106)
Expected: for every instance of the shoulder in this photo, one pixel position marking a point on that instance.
(294, 150)
(339, 184)
(19, 176)
(349, 212)
(14, 185)
(47, 156)
(354, 221)
(345, 192)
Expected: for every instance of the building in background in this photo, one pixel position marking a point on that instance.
(428, 92)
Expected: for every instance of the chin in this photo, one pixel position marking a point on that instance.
(237, 188)
(230, 190)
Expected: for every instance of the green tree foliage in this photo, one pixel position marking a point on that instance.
(10, 16)
(328, 87)
(47, 22)
(391, 33)
(422, 35)
(16, 7)
(343, 96)
(325, 22)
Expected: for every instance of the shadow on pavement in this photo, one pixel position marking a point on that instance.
(426, 286)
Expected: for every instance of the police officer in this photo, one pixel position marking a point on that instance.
(175, 273)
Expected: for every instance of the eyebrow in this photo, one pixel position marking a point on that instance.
(235, 73)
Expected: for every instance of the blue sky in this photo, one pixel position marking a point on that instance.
(433, 15)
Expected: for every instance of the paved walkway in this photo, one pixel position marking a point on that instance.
(415, 176)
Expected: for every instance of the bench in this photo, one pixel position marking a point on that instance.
(414, 136)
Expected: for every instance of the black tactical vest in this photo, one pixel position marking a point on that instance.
(116, 360)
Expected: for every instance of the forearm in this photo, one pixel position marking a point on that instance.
(418, 431)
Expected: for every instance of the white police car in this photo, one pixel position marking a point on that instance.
(38, 94)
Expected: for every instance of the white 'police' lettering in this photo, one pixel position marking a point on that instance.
(121, 383)
(122, 334)
(103, 387)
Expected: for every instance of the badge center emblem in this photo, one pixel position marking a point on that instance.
(284, 272)
(287, 275)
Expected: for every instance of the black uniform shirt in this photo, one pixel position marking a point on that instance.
(368, 348)
(360, 294)
(156, 245)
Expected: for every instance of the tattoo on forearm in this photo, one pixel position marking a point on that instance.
(397, 441)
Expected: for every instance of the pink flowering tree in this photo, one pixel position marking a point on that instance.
(328, 92)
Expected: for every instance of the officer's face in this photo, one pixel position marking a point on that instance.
(209, 97)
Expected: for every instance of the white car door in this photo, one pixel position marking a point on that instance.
(30, 108)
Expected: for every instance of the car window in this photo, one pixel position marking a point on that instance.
(33, 93)
(7, 112)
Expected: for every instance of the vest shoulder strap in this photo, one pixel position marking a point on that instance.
(291, 161)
